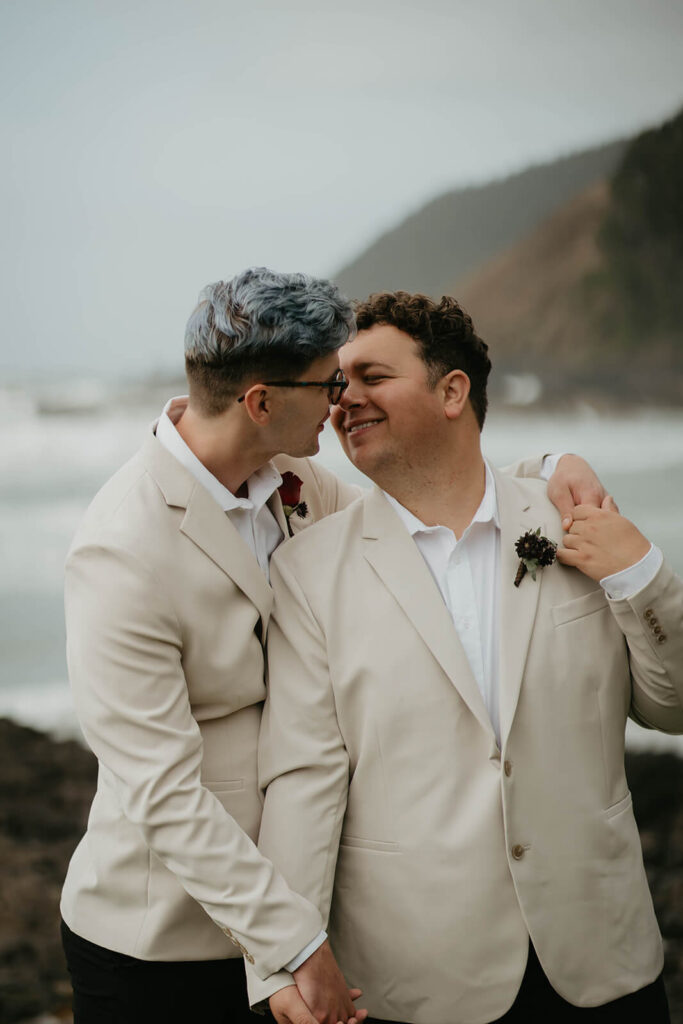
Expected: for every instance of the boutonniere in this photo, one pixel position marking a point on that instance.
(290, 495)
(535, 552)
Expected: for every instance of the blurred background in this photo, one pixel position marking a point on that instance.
(525, 157)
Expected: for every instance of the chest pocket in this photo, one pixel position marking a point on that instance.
(579, 607)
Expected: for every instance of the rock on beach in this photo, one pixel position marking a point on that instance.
(45, 792)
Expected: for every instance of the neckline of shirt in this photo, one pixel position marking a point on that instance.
(486, 513)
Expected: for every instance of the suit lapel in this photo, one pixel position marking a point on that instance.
(517, 604)
(275, 505)
(394, 556)
(207, 525)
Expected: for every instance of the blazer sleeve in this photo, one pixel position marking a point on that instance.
(303, 761)
(652, 623)
(124, 648)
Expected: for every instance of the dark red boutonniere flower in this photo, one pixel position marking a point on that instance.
(290, 495)
(535, 552)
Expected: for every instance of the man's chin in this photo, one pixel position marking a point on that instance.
(311, 449)
(370, 463)
(356, 459)
(302, 451)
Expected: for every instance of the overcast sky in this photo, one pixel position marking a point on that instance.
(155, 145)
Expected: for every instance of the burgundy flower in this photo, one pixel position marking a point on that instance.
(290, 494)
(290, 489)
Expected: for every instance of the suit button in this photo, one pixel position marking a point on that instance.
(654, 622)
(661, 638)
(517, 852)
(507, 768)
(657, 630)
(648, 614)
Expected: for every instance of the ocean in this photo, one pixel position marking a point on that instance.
(54, 456)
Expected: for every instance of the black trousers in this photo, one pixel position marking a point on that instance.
(112, 988)
(538, 1003)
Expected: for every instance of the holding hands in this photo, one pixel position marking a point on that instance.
(574, 483)
(600, 541)
(320, 995)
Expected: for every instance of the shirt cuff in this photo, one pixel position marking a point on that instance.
(628, 582)
(549, 465)
(305, 953)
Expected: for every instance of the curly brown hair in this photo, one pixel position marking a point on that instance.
(443, 332)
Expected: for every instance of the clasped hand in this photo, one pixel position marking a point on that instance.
(600, 541)
(320, 995)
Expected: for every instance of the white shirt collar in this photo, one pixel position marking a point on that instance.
(486, 513)
(260, 485)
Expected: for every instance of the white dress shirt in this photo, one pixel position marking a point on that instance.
(464, 570)
(250, 516)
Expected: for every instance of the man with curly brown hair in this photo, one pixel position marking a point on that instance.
(443, 749)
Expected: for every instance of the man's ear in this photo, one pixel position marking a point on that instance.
(456, 391)
(257, 402)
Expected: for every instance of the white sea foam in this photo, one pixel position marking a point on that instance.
(41, 534)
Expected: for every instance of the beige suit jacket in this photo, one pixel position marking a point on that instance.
(166, 614)
(390, 805)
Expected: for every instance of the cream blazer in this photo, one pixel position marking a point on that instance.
(166, 614)
(389, 804)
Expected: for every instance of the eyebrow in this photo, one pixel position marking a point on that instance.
(372, 363)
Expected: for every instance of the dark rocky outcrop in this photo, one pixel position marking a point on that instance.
(45, 792)
(461, 230)
(591, 301)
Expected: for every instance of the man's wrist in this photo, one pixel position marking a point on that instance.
(549, 465)
(307, 951)
(620, 586)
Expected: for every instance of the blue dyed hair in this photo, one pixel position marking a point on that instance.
(261, 324)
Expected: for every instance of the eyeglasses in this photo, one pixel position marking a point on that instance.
(336, 386)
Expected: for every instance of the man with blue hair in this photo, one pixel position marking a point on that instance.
(167, 606)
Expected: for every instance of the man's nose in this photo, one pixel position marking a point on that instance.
(352, 396)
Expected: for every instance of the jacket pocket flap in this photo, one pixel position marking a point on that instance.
(579, 607)
(223, 785)
(368, 844)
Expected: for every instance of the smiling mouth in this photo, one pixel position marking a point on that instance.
(357, 428)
